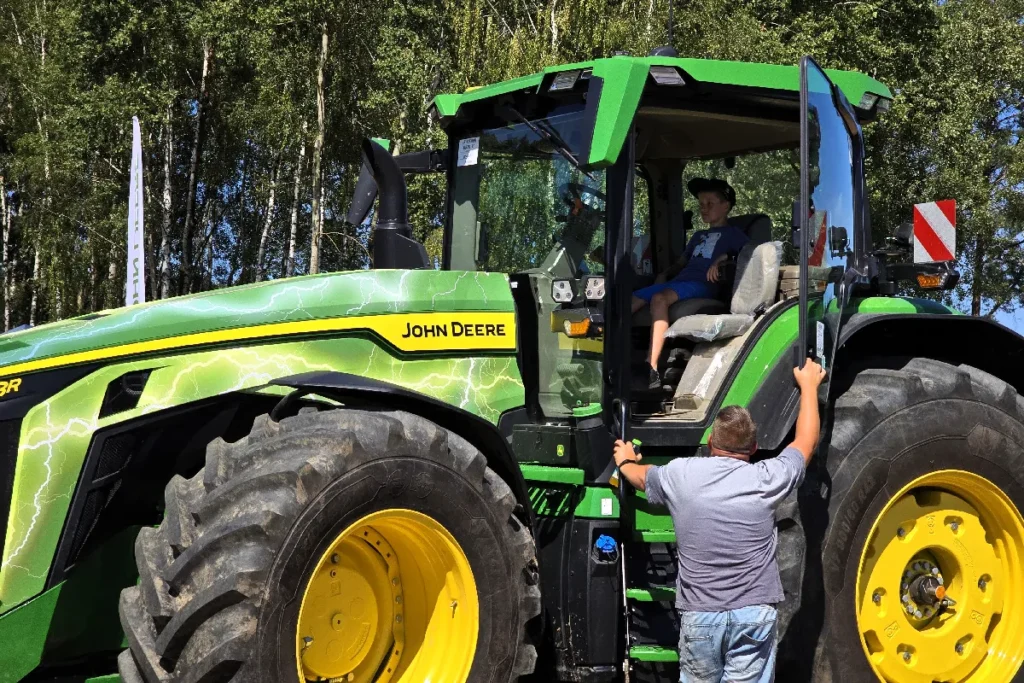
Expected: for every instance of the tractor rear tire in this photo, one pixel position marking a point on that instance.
(923, 473)
(296, 552)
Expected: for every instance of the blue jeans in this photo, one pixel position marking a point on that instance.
(684, 289)
(736, 646)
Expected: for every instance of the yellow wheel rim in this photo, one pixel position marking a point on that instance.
(940, 585)
(392, 600)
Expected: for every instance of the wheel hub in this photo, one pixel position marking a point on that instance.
(937, 573)
(357, 622)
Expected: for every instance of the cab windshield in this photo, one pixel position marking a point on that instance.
(536, 210)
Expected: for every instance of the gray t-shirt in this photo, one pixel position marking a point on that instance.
(723, 510)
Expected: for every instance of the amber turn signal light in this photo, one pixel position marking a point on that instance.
(936, 281)
(577, 328)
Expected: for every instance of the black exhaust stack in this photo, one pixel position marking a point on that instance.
(393, 244)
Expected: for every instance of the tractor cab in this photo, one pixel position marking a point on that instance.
(573, 181)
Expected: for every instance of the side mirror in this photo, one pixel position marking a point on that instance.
(904, 236)
(839, 240)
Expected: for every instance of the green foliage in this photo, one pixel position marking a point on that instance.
(73, 74)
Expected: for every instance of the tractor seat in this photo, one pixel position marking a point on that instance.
(758, 228)
(753, 290)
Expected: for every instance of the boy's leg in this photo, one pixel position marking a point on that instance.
(660, 303)
(750, 645)
(701, 637)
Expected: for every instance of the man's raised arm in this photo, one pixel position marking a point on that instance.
(808, 423)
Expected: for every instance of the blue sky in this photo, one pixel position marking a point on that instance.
(1014, 321)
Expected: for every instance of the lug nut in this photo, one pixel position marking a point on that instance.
(906, 656)
(335, 558)
(935, 571)
(910, 609)
(901, 532)
(877, 598)
(906, 599)
(918, 614)
(954, 526)
(982, 583)
(959, 648)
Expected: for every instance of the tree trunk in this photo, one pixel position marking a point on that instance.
(185, 285)
(114, 295)
(3, 252)
(35, 280)
(318, 147)
(164, 289)
(289, 267)
(976, 284)
(268, 220)
(554, 28)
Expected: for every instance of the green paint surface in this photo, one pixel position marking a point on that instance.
(625, 77)
(655, 536)
(653, 594)
(557, 501)
(552, 475)
(448, 105)
(892, 304)
(620, 94)
(23, 634)
(112, 678)
(591, 506)
(315, 297)
(55, 434)
(587, 411)
(649, 517)
(653, 653)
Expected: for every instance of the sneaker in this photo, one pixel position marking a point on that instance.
(654, 382)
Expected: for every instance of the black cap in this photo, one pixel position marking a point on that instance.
(698, 185)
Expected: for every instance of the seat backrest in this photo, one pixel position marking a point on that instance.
(757, 277)
(757, 226)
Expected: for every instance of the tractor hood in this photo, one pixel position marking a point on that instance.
(365, 301)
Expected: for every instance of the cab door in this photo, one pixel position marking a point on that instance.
(831, 162)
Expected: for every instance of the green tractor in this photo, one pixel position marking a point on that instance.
(403, 475)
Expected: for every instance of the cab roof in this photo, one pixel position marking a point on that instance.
(624, 79)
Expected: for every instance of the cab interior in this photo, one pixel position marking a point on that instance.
(706, 335)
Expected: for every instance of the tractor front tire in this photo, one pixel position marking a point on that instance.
(354, 545)
(916, 500)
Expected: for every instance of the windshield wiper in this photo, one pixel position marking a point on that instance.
(549, 135)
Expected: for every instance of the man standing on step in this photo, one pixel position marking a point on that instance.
(723, 511)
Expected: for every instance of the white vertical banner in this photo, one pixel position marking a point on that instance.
(135, 275)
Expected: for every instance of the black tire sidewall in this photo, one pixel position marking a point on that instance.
(409, 483)
(941, 434)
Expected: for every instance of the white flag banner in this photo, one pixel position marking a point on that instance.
(135, 276)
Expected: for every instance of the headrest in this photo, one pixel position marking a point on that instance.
(757, 226)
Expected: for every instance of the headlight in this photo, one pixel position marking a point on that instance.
(594, 290)
(562, 291)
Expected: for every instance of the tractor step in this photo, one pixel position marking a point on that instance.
(654, 536)
(652, 594)
(653, 653)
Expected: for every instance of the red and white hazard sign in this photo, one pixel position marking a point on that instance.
(935, 231)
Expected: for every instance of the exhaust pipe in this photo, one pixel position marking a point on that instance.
(393, 243)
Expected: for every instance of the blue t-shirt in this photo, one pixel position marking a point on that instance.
(707, 245)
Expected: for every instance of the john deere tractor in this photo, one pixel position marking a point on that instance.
(402, 474)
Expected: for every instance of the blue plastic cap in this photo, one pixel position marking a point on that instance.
(605, 544)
